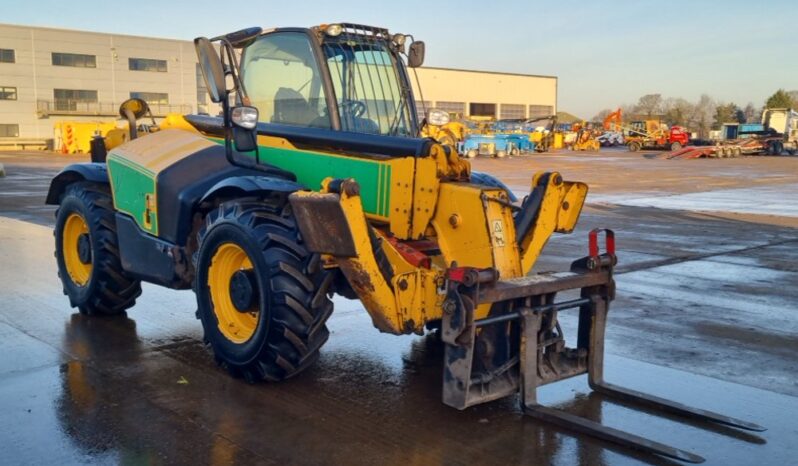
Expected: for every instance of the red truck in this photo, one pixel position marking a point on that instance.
(651, 134)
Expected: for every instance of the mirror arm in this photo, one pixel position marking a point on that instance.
(229, 51)
(228, 130)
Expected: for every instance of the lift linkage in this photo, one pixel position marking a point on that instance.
(542, 355)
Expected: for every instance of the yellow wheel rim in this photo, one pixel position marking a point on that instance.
(235, 325)
(74, 227)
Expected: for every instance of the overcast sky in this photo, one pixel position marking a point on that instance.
(604, 53)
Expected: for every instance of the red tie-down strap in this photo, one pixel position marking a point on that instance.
(609, 242)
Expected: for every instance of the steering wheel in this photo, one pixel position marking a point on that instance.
(353, 108)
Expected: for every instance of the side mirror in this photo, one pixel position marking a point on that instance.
(245, 123)
(415, 56)
(243, 37)
(212, 70)
(437, 117)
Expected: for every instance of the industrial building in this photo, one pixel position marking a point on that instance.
(49, 75)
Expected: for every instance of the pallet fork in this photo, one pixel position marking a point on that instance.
(543, 357)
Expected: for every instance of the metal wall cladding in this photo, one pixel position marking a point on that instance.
(751, 127)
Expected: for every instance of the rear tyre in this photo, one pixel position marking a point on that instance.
(262, 297)
(771, 148)
(675, 146)
(87, 252)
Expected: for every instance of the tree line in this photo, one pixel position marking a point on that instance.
(703, 115)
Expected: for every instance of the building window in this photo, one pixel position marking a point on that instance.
(77, 60)
(453, 108)
(152, 98)
(485, 110)
(512, 111)
(71, 99)
(146, 64)
(8, 93)
(9, 130)
(540, 111)
(7, 56)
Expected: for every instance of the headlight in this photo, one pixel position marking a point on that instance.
(334, 30)
(437, 117)
(245, 117)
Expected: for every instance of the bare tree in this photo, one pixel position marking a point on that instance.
(701, 118)
(650, 104)
(751, 113)
(677, 111)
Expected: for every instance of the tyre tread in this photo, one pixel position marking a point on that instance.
(299, 289)
(114, 290)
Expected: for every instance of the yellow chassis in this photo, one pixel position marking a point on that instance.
(471, 226)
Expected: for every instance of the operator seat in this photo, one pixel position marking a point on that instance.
(364, 125)
(292, 109)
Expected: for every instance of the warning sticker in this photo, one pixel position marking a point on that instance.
(498, 233)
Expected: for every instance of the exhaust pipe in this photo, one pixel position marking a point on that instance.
(132, 110)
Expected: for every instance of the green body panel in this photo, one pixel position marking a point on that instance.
(311, 168)
(131, 183)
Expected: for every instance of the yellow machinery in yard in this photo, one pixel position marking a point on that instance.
(315, 181)
(585, 138)
(438, 125)
(74, 137)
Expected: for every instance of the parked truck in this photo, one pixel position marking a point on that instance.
(782, 124)
(653, 134)
(777, 133)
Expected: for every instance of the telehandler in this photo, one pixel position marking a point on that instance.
(315, 181)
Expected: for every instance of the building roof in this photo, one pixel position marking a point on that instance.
(24, 26)
(490, 72)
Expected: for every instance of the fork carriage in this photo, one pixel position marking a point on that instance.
(529, 307)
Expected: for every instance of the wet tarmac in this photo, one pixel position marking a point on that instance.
(707, 314)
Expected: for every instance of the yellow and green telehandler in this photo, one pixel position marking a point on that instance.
(315, 181)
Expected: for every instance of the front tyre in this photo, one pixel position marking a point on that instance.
(87, 252)
(262, 297)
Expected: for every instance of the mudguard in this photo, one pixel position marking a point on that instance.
(95, 172)
(251, 184)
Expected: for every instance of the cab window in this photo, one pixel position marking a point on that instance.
(367, 87)
(283, 81)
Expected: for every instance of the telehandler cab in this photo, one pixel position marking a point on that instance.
(315, 181)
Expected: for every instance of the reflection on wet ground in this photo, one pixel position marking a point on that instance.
(706, 314)
(142, 389)
(765, 200)
(116, 402)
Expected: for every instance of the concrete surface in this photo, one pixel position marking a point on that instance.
(706, 315)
